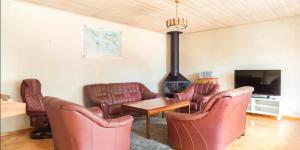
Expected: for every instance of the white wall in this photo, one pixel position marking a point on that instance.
(268, 45)
(44, 43)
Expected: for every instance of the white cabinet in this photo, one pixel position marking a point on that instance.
(266, 106)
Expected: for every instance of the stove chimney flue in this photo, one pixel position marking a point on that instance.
(174, 37)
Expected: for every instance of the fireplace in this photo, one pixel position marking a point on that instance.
(175, 82)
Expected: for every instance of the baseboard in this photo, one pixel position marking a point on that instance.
(274, 117)
(291, 118)
(16, 132)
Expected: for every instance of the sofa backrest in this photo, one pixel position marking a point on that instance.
(97, 91)
(124, 92)
(115, 93)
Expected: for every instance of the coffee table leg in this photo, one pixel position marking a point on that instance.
(190, 109)
(148, 125)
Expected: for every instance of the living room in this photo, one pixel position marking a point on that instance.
(50, 41)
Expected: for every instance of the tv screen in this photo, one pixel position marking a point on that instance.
(265, 82)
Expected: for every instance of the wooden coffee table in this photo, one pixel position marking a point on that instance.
(155, 106)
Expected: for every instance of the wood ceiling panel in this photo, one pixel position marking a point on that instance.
(201, 14)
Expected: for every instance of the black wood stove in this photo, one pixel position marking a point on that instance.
(175, 82)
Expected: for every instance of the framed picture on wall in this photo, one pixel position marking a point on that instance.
(97, 42)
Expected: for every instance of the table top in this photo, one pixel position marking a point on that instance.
(157, 103)
(12, 108)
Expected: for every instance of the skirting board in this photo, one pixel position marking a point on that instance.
(15, 132)
(284, 117)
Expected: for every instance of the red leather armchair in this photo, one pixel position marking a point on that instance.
(222, 120)
(198, 94)
(77, 128)
(110, 97)
(32, 96)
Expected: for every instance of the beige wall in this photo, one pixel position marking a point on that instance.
(47, 44)
(268, 45)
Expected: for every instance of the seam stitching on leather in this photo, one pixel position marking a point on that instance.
(188, 134)
(177, 133)
(204, 141)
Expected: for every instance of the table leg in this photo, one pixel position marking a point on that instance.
(190, 109)
(148, 125)
(162, 114)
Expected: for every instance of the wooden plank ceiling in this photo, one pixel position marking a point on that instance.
(201, 14)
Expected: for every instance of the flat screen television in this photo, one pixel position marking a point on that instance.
(265, 82)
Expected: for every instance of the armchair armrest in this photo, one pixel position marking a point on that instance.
(150, 95)
(186, 94)
(184, 116)
(118, 122)
(102, 103)
(107, 123)
(147, 94)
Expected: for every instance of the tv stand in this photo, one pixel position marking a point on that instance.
(261, 96)
(266, 105)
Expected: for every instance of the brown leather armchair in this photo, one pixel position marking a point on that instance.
(32, 96)
(222, 120)
(198, 94)
(77, 128)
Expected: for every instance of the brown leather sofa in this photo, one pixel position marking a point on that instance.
(77, 128)
(198, 94)
(110, 97)
(221, 121)
(31, 94)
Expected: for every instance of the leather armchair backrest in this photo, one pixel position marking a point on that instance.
(232, 94)
(228, 114)
(31, 94)
(222, 121)
(73, 126)
(77, 128)
(203, 89)
(59, 106)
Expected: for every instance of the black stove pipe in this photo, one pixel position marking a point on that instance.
(174, 52)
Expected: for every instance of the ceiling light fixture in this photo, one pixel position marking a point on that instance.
(176, 23)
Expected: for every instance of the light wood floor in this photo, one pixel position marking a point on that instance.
(262, 133)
